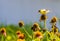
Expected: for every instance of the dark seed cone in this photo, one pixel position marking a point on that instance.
(18, 32)
(54, 39)
(21, 23)
(43, 17)
(22, 36)
(35, 25)
(3, 31)
(53, 20)
(38, 34)
(44, 30)
(35, 29)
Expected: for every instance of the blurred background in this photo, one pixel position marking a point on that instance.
(12, 11)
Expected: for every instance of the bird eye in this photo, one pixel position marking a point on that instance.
(39, 11)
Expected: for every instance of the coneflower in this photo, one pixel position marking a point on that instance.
(35, 27)
(43, 17)
(54, 20)
(3, 31)
(54, 29)
(18, 32)
(38, 34)
(22, 36)
(21, 23)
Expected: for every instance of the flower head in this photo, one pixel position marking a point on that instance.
(43, 17)
(21, 36)
(54, 29)
(38, 34)
(3, 31)
(54, 20)
(21, 23)
(18, 32)
(43, 11)
(35, 27)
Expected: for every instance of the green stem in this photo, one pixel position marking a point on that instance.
(27, 33)
(10, 30)
(47, 35)
(2, 38)
(45, 23)
(33, 35)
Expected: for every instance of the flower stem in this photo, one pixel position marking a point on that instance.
(27, 33)
(2, 38)
(45, 23)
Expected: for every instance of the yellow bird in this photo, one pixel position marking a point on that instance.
(43, 11)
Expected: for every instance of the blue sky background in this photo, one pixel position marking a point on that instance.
(11, 11)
